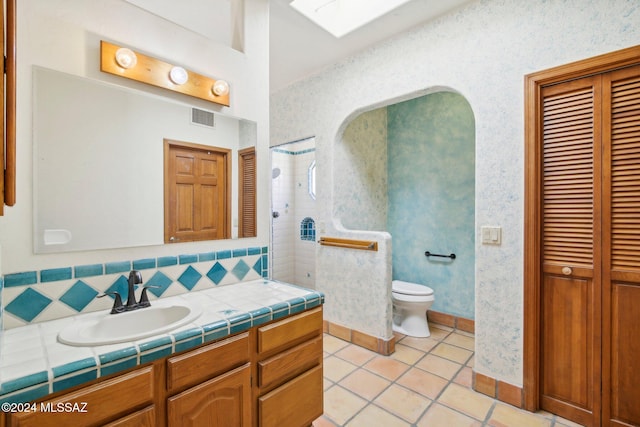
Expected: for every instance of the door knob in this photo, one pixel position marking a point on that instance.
(567, 271)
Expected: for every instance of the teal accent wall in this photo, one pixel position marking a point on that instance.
(431, 196)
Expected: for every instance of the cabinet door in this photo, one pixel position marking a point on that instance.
(294, 404)
(223, 401)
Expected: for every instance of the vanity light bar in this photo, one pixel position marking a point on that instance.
(152, 71)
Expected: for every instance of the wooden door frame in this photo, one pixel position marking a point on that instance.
(532, 203)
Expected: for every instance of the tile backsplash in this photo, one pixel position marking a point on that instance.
(36, 296)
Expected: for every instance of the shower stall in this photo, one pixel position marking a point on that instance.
(293, 213)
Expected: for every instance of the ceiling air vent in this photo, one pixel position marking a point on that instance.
(202, 117)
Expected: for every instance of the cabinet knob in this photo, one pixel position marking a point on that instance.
(567, 271)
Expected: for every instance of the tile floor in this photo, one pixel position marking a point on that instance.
(426, 382)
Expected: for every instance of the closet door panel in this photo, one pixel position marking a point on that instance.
(625, 347)
(621, 257)
(570, 291)
(567, 355)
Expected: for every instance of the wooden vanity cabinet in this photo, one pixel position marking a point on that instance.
(290, 381)
(268, 376)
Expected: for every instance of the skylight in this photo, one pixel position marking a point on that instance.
(340, 17)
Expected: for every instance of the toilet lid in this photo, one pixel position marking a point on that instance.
(408, 288)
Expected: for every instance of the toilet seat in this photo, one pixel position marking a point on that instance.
(407, 288)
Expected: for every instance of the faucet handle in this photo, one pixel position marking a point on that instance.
(144, 299)
(118, 307)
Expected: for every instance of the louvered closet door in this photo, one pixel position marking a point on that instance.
(570, 242)
(621, 248)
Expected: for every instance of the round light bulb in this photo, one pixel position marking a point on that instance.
(126, 58)
(178, 75)
(220, 88)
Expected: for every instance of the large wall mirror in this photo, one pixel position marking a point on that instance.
(98, 160)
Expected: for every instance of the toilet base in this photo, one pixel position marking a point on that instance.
(413, 327)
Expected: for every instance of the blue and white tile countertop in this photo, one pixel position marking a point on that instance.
(34, 364)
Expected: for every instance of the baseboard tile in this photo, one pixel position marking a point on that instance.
(387, 347)
(461, 323)
(504, 392)
(370, 342)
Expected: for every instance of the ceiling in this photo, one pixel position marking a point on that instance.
(298, 48)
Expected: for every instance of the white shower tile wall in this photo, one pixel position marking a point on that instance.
(305, 260)
(37, 296)
(293, 259)
(284, 230)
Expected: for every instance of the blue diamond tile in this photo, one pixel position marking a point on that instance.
(28, 304)
(257, 267)
(79, 296)
(161, 281)
(189, 278)
(121, 286)
(217, 273)
(241, 269)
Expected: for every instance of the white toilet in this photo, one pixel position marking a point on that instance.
(410, 304)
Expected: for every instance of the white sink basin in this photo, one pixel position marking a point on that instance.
(101, 328)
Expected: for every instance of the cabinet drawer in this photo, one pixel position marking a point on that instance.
(284, 366)
(284, 334)
(105, 401)
(294, 404)
(144, 418)
(199, 365)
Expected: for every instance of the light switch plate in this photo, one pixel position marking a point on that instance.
(491, 235)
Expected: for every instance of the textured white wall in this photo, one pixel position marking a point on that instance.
(361, 155)
(483, 52)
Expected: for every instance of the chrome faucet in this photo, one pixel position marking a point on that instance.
(135, 278)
